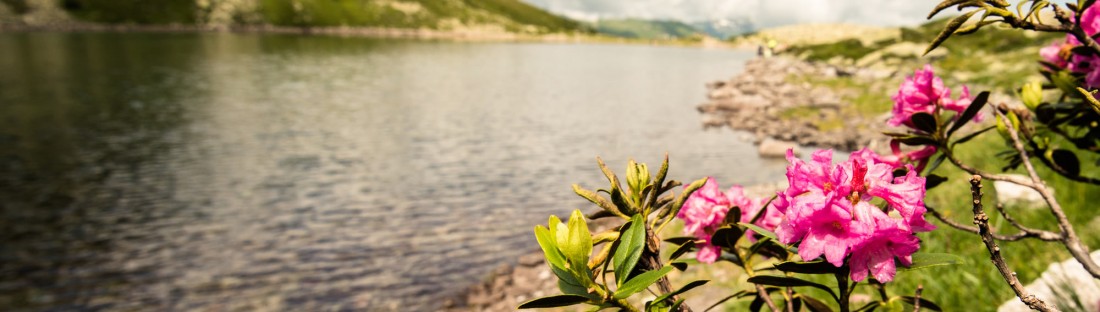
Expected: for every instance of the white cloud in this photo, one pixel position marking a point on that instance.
(763, 13)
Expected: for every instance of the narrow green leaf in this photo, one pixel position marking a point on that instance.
(784, 281)
(814, 267)
(933, 180)
(936, 163)
(924, 303)
(658, 181)
(971, 136)
(924, 122)
(916, 140)
(971, 111)
(759, 230)
(944, 5)
(870, 306)
(815, 305)
(738, 294)
(948, 30)
(680, 251)
(930, 259)
(598, 200)
(679, 240)
(686, 288)
(640, 282)
(679, 203)
(553, 302)
(631, 245)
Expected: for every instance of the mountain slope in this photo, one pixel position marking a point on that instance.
(644, 29)
(494, 15)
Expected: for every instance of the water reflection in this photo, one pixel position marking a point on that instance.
(219, 171)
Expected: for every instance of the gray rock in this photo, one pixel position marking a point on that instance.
(1012, 194)
(775, 148)
(1065, 284)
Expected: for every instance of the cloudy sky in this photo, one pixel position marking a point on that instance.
(762, 13)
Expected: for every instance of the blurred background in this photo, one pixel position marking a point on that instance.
(391, 155)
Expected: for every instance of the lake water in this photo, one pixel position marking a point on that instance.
(265, 172)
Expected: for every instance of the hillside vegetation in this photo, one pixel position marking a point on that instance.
(645, 29)
(493, 15)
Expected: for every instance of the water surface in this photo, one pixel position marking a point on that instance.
(242, 171)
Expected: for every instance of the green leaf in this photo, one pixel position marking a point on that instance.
(686, 288)
(640, 282)
(680, 251)
(690, 188)
(948, 30)
(924, 303)
(759, 230)
(931, 259)
(549, 247)
(598, 200)
(553, 302)
(971, 111)
(916, 140)
(726, 236)
(869, 306)
(578, 245)
(631, 245)
(944, 5)
(1067, 161)
(679, 240)
(936, 163)
(924, 122)
(815, 305)
(933, 180)
(738, 294)
(971, 136)
(784, 281)
(814, 267)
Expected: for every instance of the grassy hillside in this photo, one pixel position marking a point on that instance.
(644, 29)
(491, 15)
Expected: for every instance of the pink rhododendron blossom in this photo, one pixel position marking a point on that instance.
(828, 209)
(702, 213)
(705, 211)
(1053, 54)
(924, 92)
(1081, 64)
(750, 207)
(877, 252)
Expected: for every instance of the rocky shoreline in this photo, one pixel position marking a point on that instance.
(760, 99)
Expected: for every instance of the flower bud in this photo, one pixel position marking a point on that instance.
(1032, 94)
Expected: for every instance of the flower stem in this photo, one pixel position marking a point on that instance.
(842, 285)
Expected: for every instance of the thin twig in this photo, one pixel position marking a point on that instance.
(982, 220)
(789, 298)
(1038, 234)
(916, 298)
(1073, 244)
(763, 293)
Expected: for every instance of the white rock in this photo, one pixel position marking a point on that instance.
(775, 148)
(1059, 285)
(1009, 193)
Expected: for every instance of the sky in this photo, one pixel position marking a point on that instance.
(762, 13)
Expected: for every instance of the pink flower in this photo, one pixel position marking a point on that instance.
(918, 93)
(1053, 54)
(924, 92)
(877, 252)
(703, 212)
(750, 207)
(828, 209)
